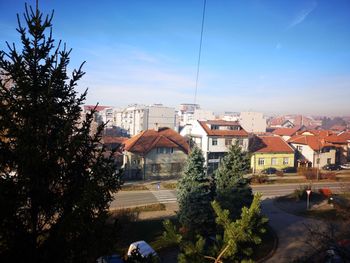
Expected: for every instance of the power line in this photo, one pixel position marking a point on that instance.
(200, 52)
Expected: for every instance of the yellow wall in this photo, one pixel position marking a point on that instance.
(254, 163)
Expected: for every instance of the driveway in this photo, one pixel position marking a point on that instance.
(291, 232)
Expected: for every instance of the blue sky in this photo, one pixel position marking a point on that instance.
(274, 56)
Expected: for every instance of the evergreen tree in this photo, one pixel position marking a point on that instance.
(55, 182)
(241, 236)
(232, 189)
(194, 195)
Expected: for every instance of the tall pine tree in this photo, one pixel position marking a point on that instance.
(55, 183)
(232, 190)
(194, 195)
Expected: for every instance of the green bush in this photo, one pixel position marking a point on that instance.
(300, 193)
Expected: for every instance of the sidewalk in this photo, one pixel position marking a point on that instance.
(291, 232)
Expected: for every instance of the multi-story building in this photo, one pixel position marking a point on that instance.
(137, 118)
(214, 137)
(253, 122)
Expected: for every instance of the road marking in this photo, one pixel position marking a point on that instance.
(164, 196)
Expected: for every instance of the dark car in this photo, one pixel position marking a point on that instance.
(332, 167)
(269, 170)
(289, 170)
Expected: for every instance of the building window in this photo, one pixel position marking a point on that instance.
(214, 127)
(155, 168)
(285, 160)
(329, 160)
(318, 161)
(214, 141)
(299, 148)
(261, 161)
(161, 150)
(240, 142)
(273, 161)
(228, 142)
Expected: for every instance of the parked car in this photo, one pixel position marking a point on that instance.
(331, 167)
(289, 170)
(269, 170)
(345, 166)
(144, 248)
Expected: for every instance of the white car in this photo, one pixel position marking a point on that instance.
(345, 166)
(144, 249)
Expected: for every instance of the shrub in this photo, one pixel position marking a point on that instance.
(309, 173)
(259, 178)
(328, 175)
(300, 193)
(279, 173)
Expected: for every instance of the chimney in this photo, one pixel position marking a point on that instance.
(156, 128)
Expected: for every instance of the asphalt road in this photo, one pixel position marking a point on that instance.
(124, 199)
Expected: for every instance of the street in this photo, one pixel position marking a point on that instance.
(124, 199)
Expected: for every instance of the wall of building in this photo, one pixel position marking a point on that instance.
(279, 157)
(253, 121)
(160, 116)
(154, 165)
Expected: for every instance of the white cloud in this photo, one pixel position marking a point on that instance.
(303, 14)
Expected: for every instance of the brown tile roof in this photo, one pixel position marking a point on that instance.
(285, 131)
(315, 142)
(228, 133)
(150, 139)
(272, 144)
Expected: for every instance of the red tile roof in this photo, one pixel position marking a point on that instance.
(150, 139)
(315, 142)
(272, 144)
(228, 133)
(285, 131)
(341, 138)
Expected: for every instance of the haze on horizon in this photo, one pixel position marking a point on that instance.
(270, 56)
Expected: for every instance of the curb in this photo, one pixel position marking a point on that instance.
(275, 246)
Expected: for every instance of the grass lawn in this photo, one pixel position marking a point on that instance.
(134, 187)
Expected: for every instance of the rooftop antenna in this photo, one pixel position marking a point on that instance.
(200, 51)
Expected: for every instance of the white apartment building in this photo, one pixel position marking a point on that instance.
(137, 118)
(214, 137)
(253, 122)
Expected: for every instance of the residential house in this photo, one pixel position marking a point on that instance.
(270, 151)
(342, 143)
(214, 137)
(155, 153)
(286, 133)
(313, 150)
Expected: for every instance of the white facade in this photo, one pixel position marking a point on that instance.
(254, 122)
(137, 118)
(215, 141)
(316, 159)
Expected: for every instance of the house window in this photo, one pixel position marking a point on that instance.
(228, 142)
(329, 160)
(299, 148)
(176, 167)
(273, 161)
(214, 142)
(161, 150)
(261, 161)
(240, 142)
(318, 161)
(214, 127)
(155, 168)
(285, 160)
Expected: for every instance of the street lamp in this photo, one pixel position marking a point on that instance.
(308, 191)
